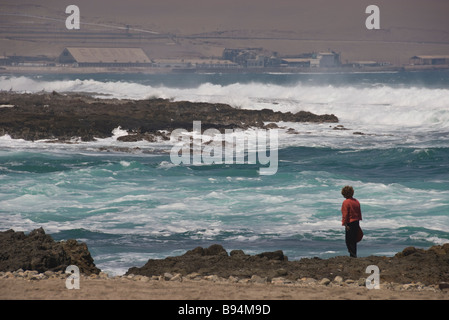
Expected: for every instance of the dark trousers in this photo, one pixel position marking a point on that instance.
(351, 238)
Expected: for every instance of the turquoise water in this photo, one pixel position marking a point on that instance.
(135, 205)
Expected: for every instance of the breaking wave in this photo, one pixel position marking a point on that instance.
(380, 105)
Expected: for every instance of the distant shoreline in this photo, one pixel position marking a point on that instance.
(5, 70)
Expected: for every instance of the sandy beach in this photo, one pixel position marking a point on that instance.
(124, 288)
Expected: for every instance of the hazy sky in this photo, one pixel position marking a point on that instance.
(422, 26)
(337, 18)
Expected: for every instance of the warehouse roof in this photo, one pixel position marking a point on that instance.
(108, 55)
(431, 57)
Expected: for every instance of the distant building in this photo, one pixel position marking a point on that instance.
(246, 57)
(172, 63)
(104, 57)
(260, 58)
(195, 63)
(273, 61)
(234, 54)
(230, 54)
(313, 60)
(4, 61)
(361, 64)
(430, 60)
(257, 62)
(328, 59)
(297, 62)
(213, 64)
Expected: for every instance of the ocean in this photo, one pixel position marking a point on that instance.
(133, 204)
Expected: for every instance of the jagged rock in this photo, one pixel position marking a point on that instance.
(237, 253)
(215, 260)
(406, 252)
(213, 250)
(271, 126)
(38, 251)
(339, 127)
(80, 256)
(292, 131)
(275, 255)
(63, 117)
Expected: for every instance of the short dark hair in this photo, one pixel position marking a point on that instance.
(347, 192)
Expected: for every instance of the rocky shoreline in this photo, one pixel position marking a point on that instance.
(64, 117)
(37, 256)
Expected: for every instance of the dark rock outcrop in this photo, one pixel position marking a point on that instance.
(215, 261)
(412, 265)
(38, 251)
(63, 117)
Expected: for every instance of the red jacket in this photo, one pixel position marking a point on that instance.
(350, 211)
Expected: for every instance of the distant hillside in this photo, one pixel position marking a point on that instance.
(196, 28)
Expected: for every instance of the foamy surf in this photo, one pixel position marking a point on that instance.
(129, 202)
(373, 105)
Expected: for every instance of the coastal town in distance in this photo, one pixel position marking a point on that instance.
(231, 37)
(233, 60)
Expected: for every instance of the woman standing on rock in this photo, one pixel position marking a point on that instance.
(351, 215)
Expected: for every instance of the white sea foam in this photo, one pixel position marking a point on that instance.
(382, 105)
(125, 163)
(384, 115)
